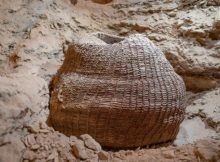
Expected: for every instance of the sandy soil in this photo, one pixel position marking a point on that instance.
(34, 37)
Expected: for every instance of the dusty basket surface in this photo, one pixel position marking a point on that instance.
(121, 91)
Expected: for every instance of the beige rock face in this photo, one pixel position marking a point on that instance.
(103, 155)
(185, 38)
(199, 83)
(192, 130)
(202, 119)
(215, 32)
(34, 35)
(206, 150)
(206, 153)
(207, 107)
(11, 148)
(79, 150)
(91, 143)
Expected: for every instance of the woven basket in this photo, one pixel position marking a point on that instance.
(121, 91)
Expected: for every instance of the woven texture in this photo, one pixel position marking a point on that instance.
(121, 91)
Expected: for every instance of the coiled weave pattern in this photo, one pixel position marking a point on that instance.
(123, 92)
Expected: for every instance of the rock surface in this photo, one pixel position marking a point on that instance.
(34, 36)
(79, 150)
(192, 130)
(91, 143)
(206, 150)
(207, 107)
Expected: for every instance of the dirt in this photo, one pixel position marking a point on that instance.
(34, 37)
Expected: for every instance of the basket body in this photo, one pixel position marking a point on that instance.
(124, 94)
